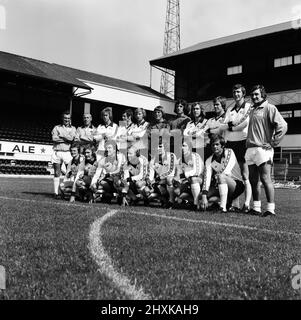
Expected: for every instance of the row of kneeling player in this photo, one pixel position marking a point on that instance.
(185, 182)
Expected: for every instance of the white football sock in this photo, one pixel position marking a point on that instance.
(56, 184)
(271, 207)
(248, 192)
(257, 206)
(195, 190)
(223, 192)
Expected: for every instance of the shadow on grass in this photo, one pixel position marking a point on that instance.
(44, 194)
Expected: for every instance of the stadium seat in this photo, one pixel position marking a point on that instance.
(26, 130)
(24, 167)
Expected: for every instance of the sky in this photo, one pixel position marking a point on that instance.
(118, 38)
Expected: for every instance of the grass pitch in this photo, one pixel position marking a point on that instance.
(171, 254)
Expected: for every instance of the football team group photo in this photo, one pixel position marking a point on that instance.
(149, 151)
(206, 164)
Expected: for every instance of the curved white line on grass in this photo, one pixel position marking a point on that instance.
(105, 263)
(214, 223)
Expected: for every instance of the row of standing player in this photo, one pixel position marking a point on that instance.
(251, 131)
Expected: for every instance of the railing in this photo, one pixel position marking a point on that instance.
(293, 156)
(288, 167)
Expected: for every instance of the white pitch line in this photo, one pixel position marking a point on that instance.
(23, 176)
(213, 223)
(53, 202)
(105, 263)
(220, 224)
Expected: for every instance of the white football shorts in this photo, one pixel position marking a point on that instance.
(258, 156)
(61, 157)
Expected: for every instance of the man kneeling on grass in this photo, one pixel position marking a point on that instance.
(86, 171)
(222, 176)
(188, 179)
(108, 173)
(162, 169)
(132, 179)
(72, 169)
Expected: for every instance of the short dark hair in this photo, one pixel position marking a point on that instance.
(67, 112)
(221, 100)
(129, 113)
(75, 145)
(239, 86)
(262, 90)
(89, 148)
(216, 137)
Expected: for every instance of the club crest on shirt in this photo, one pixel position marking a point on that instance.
(259, 114)
(217, 167)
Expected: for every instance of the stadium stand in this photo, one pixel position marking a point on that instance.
(26, 128)
(201, 75)
(26, 167)
(25, 133)
(33, 96)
